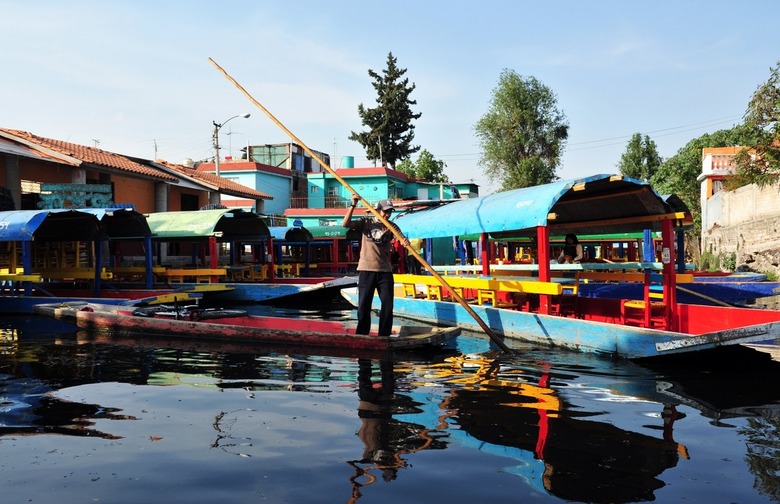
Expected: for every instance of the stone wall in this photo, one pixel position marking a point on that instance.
(745, 222)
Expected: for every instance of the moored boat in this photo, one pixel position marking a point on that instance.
(229, 325)
(543, 306)
(707, 326)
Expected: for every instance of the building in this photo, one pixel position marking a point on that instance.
(306, 193)
(31, 166)
(740, 225)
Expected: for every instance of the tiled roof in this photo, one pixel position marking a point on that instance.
(19, 149)
(224, 185)
(92, 155)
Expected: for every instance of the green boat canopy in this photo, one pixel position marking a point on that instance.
(600, 204)
(224, 224)
(334, 232)
(291, 234)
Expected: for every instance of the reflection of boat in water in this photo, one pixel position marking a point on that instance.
(29, 408)
(537, 417)
(557, 448)
(726, 383)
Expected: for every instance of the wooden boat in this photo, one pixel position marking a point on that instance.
(229, 325)
(59, 255)
(539, 307)
(605, 336)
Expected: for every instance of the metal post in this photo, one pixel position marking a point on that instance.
(216, 147)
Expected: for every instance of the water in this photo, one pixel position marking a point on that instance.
(88, 418)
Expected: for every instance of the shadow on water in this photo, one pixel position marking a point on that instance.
(563, 425)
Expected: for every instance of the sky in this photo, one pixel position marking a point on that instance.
(134, 76)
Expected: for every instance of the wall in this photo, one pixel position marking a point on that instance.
(745, 222)
(141, 193)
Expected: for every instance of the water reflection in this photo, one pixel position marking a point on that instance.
(386, 440)
(26, 409)
(558, 448)
(565, 426)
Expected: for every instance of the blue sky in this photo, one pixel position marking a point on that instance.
(133, 76)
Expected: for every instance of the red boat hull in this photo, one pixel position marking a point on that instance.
(276, 330)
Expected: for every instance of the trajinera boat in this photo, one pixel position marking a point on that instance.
(236, 325)
(539, 303)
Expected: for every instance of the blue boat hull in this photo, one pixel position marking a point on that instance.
(607, 339)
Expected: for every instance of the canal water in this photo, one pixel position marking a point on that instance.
(93, 417)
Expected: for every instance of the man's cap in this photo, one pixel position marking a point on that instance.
(384, 205)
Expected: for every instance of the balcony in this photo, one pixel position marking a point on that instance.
(335, 202)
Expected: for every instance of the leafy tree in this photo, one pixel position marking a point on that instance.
(390, 123)
(641, 159)
(523, 133)
(426, 168)
(678, 175)
(761, 164)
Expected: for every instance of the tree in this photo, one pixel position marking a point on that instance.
(390, 129)
(761, 163)
(426, 168)
(678, 175)
(523, 133)
(641, 159)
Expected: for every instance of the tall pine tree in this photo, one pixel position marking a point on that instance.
(390, 129)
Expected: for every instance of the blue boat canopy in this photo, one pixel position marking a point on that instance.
(594, 205)
(224, 224)
(48, 225)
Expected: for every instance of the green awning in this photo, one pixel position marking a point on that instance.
(224, 224)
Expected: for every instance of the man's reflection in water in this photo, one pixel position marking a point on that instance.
(375, 411)
(384, 438)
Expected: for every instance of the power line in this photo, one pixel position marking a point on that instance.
(619, 140)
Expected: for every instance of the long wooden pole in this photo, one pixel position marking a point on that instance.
(376, 213)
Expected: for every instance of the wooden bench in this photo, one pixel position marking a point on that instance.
(609, 276)
(198, 275)
(14, 283)
(133, 273)
(301, 267)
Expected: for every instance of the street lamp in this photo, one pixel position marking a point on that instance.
(217, 127)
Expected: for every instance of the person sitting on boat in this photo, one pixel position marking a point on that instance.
(572, 250)
(375, 270)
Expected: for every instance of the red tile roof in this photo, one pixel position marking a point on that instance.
(91, 155)
(226, 186)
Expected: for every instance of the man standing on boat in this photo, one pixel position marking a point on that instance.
(375, 270)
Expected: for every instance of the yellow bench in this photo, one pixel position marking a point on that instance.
(487, 289)
(72, 274)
